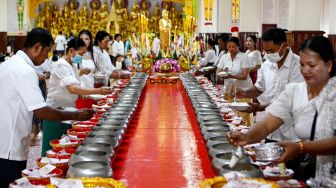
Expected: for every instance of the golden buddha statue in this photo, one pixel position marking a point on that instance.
(73, 4)
(174, 17)
(103, 11)
(145, 8)
(134, 18)
(83, 16)
(95, 8)
(40, 21)
(165, 26)
(48, 14)
(55, 12)
(65, 11)
(54, 29)
(117, 17)
(156, 18)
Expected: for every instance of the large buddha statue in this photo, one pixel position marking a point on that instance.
(117, 17)
(165, 26)
(73, 5)
(134, 18)
(156, 18)
(103, 11)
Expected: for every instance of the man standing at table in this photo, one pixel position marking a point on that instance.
(281, 67)
(20, 98)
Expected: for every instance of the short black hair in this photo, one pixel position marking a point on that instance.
(75, 43)
(276, 35)
(211, 43)
(253, 37)
(38, 35)
(234, 40)
(224, 37)
(100, 36)
(117, 35)
(322, 46)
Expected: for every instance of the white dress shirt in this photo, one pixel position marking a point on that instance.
(220, 55)
(45, 67)
(20, 95)
(209, 57)
(103, 61)
(240, 62)
(60, 42)
(255, 57)
(272, 81)
(61, 76)
(118, 48)
(87, 80)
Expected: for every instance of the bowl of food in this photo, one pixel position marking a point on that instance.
(90, 169)
(269, 152)
(240, 106)
(60, 153)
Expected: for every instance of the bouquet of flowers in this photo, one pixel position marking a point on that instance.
(163, 65)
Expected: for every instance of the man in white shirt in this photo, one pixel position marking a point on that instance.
(281, 67)
(60, 43)
(20, 98)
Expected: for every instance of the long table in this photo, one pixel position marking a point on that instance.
(163, 146)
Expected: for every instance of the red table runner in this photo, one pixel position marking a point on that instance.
(163, 146)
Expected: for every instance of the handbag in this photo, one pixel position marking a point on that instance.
(304, 165)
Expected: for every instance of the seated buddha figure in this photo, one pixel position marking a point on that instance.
(48, 14)
(73, 4)
(145, 8)
(165, 27)
(95, 16)
(83, 16)
(134, 18)
(103, 12)
(55, 12)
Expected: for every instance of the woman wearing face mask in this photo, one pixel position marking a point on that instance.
(311, 105)
(254, 56)
(64, 88)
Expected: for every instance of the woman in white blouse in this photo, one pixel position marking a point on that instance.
(237, 66)
(254, 56)
(64, 88)
(100, 55)
(300, 103)
(209, 60)
(88, 66)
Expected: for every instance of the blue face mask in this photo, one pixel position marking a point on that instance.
(77, 59)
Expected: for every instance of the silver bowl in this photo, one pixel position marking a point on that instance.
(268, 152)
(219, 148)
(216, 140)
(215, 132)
(224, 158)
(243, 169)
(89, 156)
(90, 169)
(96, 147)
(204, 130)
(109, 139)
(113, 132)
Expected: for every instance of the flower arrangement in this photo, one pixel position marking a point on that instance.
(164, 63)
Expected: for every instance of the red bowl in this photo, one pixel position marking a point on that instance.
(57, 172)
(79, 132)
(58, 156)
(55, 144)
(33, 182)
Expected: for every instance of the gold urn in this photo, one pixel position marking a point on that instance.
(166, 67)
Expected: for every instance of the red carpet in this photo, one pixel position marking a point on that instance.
(163, 146)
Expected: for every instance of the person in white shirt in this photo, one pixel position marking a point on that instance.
(237, 65)
(64, 88)
(305, 103)
(254, 55)
(156, 45)
(222, 46)
(101, 57)
(21, 98)
(118, 48)
(88, 66)
(208, 60)
(61, 42)
(281, 67)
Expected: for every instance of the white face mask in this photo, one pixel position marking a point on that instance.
(275, 57)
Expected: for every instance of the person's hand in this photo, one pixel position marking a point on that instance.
(291, 150)
(254, 107)
(227, 77)
(241, 93)
(84, 71)
(237, 138)
(104, 90)
(42, 77)
(84, 114)
(226, 69)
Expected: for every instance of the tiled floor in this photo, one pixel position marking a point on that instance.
(34, 153)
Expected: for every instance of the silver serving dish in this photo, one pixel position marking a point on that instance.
(224, 158)
(204, 129)
(219, 148)
(109, 126)
(112, 122)
(90, 169)
(89, 156)
(108, 148)
(107, 132)
(212, 122)
(243, 169)
(268, 152)
(209, 118)
(107, 139)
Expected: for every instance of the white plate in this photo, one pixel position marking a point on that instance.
(239, 106)
(97, 96)
(206, 68)
(223, 73)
